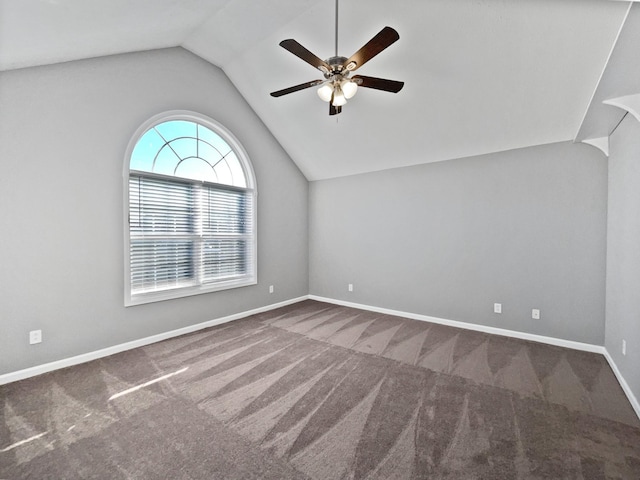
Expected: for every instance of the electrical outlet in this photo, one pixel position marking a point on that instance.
(351, 287)
(624, 347)
(535, 314)
(497, 308)
(270, 288)
(35, 336)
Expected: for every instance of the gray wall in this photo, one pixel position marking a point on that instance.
(63, 134)
(525, 228)
(623, 251)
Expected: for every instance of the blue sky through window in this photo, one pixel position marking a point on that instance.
(186, 149)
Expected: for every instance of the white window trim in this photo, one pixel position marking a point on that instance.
(237, 147)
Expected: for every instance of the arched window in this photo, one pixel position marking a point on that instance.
(190, 201)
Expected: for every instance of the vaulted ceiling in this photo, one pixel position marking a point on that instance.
(480, 75)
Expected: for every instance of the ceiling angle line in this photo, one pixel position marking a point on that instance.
(618, 124)
(604, 69)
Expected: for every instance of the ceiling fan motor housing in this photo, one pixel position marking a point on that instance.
(336, 64)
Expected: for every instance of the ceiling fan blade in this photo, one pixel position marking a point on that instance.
(378, 83)
(373, 47)
(296, 88)
(299, 51)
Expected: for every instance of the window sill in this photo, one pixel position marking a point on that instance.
(162, 295)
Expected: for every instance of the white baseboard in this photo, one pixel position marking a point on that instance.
(623, 383)
(587, 347)
(105, 352)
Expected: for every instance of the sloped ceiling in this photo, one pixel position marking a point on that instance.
(620, 78)
(480, 75)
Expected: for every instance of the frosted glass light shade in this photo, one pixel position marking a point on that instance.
(349, 88)
(339, 98)
(325, 92)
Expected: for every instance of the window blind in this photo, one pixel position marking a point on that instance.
(184, 234)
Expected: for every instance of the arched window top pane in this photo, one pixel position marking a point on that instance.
(187, 149)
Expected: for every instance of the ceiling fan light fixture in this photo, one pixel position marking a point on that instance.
(325, 92)
(339, 98)
(349, 88)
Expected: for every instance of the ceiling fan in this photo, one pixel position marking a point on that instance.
(338, 86)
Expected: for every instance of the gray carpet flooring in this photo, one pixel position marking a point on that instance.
(318, 391)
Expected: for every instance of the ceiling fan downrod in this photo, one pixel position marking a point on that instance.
(336, 51)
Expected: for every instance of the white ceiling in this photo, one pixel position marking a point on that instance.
(621, 78)
(480, 75)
